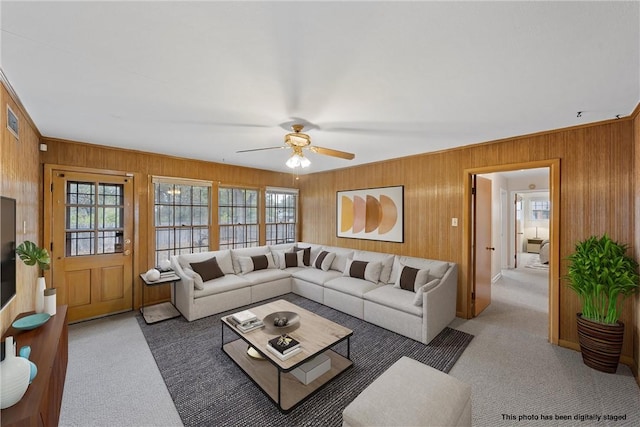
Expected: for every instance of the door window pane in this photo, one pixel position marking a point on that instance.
(94, 218)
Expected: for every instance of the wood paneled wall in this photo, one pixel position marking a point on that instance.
(143, 166)
(636, 323)
(596, 196)
(21, 175)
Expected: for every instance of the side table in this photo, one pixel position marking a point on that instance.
(163, 311)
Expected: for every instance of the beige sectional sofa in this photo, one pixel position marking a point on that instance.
(363, 284)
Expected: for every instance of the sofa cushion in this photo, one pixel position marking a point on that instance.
(265, 276)
(350, 286)
(324, 260)
(246, 252)
(306, 254)
(411, 279)
(208, 269)
(385, 259)
(342, 255)
(437, 269)
(363, 270)
(288, 259)
(314, 275)
(391, 297)
(256, 262)
(281, 247)
(227, 283)
(223, 258)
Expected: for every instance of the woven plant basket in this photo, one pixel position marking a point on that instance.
(601, 344)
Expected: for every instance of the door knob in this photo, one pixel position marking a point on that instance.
(490, 249)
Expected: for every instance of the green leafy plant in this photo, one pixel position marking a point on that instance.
(32, 254)
(603, 276)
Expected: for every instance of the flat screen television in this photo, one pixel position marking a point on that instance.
(7, 249)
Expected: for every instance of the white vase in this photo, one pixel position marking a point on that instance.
(41, 285)
(50, 301)
(15, 373)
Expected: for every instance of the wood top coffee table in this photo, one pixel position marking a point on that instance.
(273, 376)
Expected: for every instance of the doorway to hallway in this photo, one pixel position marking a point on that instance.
(539, 219)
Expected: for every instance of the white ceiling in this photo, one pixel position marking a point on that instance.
(379, 79)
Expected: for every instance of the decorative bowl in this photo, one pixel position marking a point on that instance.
(293, 321)
(31, 322)
(251, 352)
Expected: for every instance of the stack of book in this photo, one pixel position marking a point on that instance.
(284, 347)
(245, 321)
(166, 273)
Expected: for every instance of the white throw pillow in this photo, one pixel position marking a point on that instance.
(323, 260)
(258, 262)
(369, 271)
(411, 279)
(286, 259)
(197, 279)
(417, 300)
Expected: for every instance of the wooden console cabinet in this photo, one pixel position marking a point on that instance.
(40, 405)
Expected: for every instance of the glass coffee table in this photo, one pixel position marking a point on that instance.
(273, 376)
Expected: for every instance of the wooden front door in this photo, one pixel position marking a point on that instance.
(91, 245)
(483, 249)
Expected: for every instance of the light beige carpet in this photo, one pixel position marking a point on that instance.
(519, 379)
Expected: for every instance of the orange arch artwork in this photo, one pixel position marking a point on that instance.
(374, 214)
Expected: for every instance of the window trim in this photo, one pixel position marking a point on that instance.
(259, 216)
(282, 190)
(153, 251)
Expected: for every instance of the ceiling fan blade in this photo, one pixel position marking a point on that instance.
(261, 149)
(334, 153)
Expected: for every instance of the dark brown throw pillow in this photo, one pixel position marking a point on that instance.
(306, 258)
(208, 269)
(357, 269)
(290, 259)
(408, 278)
(260, 262)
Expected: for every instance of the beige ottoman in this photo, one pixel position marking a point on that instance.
(411, 393)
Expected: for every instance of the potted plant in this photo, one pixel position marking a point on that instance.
(31, 254)
(603, 276)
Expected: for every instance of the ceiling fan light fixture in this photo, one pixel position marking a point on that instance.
(297, 160)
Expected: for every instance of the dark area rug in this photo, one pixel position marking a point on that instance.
(210, 390)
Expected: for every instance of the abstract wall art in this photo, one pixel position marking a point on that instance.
(372, 213)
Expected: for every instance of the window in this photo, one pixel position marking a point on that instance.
(281, 215)
(182, 215)
(238, 217)
(540, 209)
(94, 218)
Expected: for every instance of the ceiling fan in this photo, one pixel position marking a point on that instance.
(297, 141)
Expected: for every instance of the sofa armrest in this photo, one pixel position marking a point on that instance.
(439, 305)
(184, 290)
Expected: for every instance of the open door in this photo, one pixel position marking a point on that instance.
(482, 247)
